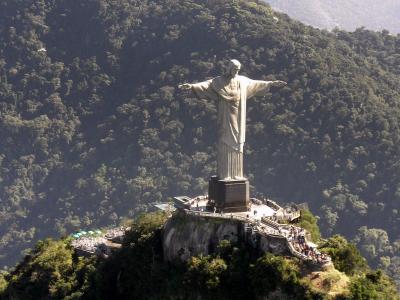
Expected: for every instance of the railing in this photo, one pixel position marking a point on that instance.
(295, 252)
(283, 216)
(295, 215)
(273, 205)
(220, 216)
(269, 222)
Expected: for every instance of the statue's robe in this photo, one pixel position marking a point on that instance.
(231, 95)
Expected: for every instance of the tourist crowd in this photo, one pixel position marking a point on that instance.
(296, 236)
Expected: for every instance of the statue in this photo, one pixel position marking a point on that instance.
(231, 92)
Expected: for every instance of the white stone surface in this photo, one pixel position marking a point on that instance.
(261, 211)
(231, 92)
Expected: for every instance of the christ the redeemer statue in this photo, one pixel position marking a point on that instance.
(231, 92)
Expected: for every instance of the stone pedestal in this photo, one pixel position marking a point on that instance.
(229, 195)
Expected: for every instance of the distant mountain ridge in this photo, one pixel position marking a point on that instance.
(345, 14)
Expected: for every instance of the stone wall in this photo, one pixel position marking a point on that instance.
(274, 244)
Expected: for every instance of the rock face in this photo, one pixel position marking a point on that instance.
(273, 244)
(188, 235)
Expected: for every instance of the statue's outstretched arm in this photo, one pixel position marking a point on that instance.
(188, 86)
(202, 90)
(259, 87)
(185, 86)
(278, 83)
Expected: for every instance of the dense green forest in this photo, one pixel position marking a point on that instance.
(93, 129)
(232, 271)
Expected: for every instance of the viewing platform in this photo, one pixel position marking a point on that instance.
(263, 218)
(99, 242)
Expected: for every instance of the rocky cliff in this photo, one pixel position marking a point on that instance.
(190, 235)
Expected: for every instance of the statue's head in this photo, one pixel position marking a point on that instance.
(233, 68)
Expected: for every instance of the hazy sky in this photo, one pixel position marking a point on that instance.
(345, 14)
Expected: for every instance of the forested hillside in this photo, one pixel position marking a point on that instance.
(233, 271)
(344, 14)
(93, 128)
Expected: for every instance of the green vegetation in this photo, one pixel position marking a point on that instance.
(373, 285)
(345, 255)
(50, 270)
(93, 129)
(309, 222)
(3, 282)
(271, 273)
(137, 271)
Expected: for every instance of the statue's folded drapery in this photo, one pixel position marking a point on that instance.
(231, 95)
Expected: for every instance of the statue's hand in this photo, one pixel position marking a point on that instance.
(279, 83)
(185, 86)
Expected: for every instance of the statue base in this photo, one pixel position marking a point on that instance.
(229, 195)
